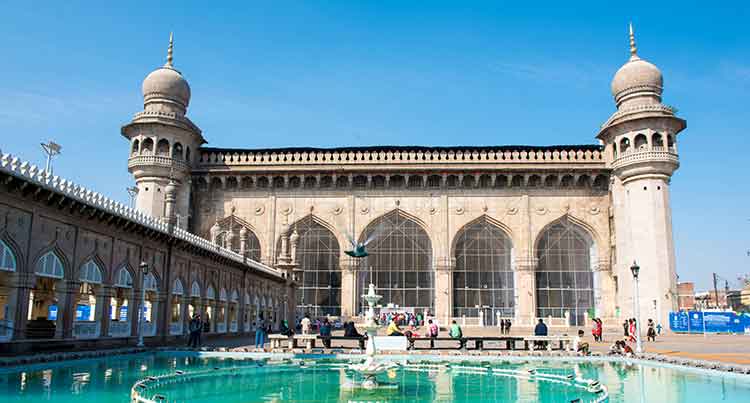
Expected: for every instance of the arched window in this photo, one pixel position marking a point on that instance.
(147, 147)
(177, 288)
(223, 295)
(318, 255)
(195, 290)
(150, 283)
(162, 147)
(670, 142)
(399, 264)
(123, 279)
(136, 146)
(50, 265)
(483, 275)
(7, 257)
(657, 140)
(641, 141)
(564, 279)
(177, 151)
(234, 297)
(210, 293)
(624, 145)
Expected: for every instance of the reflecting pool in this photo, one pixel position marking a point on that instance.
(227, 380)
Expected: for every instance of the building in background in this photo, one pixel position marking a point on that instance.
(686, 296)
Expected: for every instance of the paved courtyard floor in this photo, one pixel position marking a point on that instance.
(722, 347)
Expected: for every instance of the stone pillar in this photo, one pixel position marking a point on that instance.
(525, 292)
(107, 292)
(444, 290)
(164, 315)
(66, 299)
(19, 302)
(293, 242)
(349, 292)
(605, 291)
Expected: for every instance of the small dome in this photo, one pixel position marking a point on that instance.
(637, 73)
(166, 83)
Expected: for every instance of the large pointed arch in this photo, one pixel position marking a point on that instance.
(399, 262)
(237, 226)
(318, 254)
(50, 264)
(483, 273)
(91, 271)
(565, 252)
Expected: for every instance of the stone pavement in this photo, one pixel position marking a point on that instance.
(722, 348)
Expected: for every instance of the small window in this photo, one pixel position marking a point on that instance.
(7, 258)
(177, 287)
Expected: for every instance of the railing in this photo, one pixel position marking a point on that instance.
(175, 328)
(86, 329)
(643, 155)
(397, 156)
(6, 330)
(13, 166)
(119, 328)
(158, 160)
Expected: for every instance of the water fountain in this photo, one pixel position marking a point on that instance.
(370, 368)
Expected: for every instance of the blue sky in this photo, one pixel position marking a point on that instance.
(266, 74)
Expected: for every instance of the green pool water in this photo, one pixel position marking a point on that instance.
(110, 380)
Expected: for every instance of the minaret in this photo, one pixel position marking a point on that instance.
(163, 143)
(640, 141)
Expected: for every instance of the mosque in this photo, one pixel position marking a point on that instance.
(472, 232)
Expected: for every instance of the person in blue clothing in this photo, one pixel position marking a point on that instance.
(325, 331)
(260, 332)
(540, 330)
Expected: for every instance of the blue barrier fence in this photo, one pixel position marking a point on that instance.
(710, 322)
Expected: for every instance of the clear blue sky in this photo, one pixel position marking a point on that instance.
(266, 74)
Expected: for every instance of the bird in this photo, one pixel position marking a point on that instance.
(359, 249)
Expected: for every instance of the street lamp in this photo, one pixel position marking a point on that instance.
(638, 346)
(132, 192)
(51, 149)
(144, 270)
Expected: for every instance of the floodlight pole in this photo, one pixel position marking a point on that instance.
(51, 149)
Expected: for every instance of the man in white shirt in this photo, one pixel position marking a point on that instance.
(305, 324)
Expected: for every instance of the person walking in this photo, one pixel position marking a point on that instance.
(507, 326)
(502, 326)
(325, 333)
(260, 333)
(651, 332)
(305, 322)
(194, 327)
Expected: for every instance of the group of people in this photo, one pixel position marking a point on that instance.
(630, 328)
(403, 318)
(505, 326)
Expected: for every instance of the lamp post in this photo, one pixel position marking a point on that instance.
(132, 193)
(636, 310)
(51, 149)
(144, 271)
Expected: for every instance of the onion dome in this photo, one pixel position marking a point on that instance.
(166, 84)
(638, 81)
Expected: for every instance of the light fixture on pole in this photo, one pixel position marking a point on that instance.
(132, 192)
(636, 310)
(51, 149)
(144, 271)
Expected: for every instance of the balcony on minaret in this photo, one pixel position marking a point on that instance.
(644, 152)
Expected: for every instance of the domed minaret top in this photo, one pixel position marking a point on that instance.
(638, 81)
(165, 87)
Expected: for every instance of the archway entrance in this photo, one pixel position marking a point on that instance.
(7, 291)
(44, 319)
(120, 303)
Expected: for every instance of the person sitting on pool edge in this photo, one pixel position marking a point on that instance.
(540, 330)
(393, 329)
(579, 345)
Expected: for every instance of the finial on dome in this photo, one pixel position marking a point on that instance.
(169, 50)
(633, 48)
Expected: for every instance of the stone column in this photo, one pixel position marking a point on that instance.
(66, 299)
(444, 290)
(605, 291)
(349, 270)
(107, 292)
(525, 292)
(19, 302)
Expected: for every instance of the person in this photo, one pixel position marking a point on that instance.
(540, 330)
(632, 330)
(502, 326)
(626, 328)
(579, 345)
(393, 329)
(651, 332)
(325, 332)
(305, 322)
(507, 326)
(206, 323)
(597, 330)
(616, 348)
(626, 349)
(658, 329)
(432, 329)
(350, 330)
(419, 319)
(455, 333)
(260, 333)
(285, 330)
(195, 327)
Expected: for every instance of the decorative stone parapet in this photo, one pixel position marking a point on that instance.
(630, 157)
(401, 155)
(23, 170)
(158, 160)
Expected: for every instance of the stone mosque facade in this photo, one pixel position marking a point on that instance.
(471, 232)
